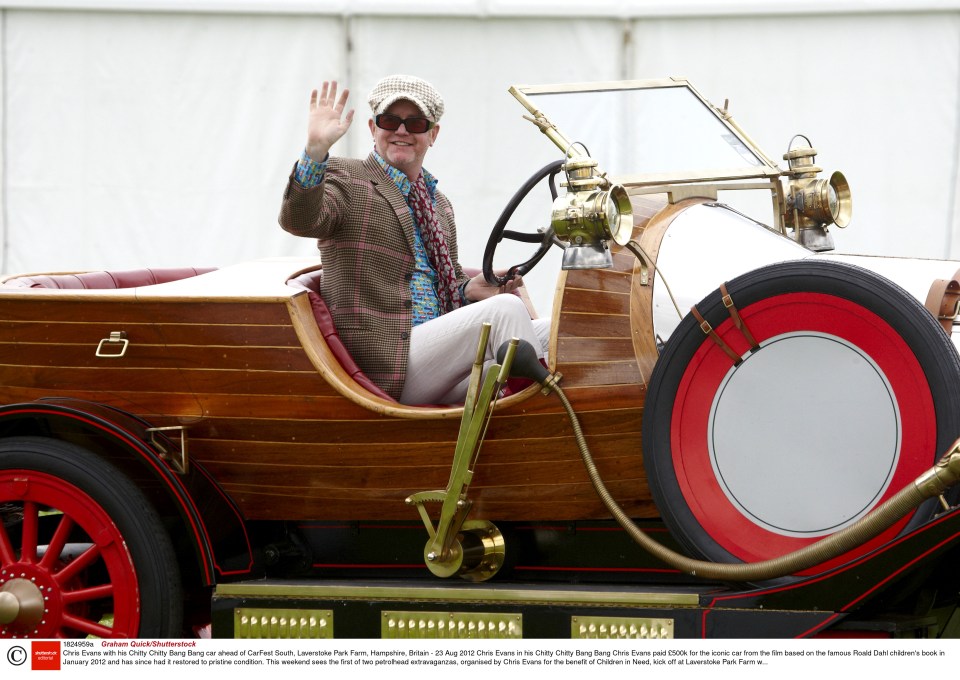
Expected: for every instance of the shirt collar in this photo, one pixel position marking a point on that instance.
(401, 180)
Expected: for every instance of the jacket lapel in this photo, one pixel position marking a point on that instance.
(388, 189)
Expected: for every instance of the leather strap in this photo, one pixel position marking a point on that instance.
(737, 320)
(712, 334)
(943, 301)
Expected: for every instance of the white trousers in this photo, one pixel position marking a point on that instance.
(443, 349)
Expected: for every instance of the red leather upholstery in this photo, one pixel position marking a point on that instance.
(105, 280)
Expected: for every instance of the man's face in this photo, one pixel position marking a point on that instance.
(401, 149)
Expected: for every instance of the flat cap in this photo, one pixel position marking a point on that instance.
(419, 91)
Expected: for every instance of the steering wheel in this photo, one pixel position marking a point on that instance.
(499, 232)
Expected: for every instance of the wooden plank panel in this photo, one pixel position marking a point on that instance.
(628, 491)
(602, 373)
(623, 260)
(256, 410)
(140, 355)
(584, 398)
(221, 358)
(94, 310)
(335, 407)
(224, 312)
(581, 325)
(600, 280)
(281, 383)
(632, 488)
(383, 431)
(565, 502)
(272, 407)
(281, 507)
(519, 474)
(378, 433)
(62, 332)
(317, 455)
(147, 333)
(160, 408)
(247, 359)
(616, 418)
(593, 302)
(228, 335)
(107, 380)
(289, 384)
(594, 349)
(29, 308)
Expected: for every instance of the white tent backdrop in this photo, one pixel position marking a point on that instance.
(134, 137)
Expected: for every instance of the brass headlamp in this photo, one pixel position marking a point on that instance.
(591, 212)
(813, 204)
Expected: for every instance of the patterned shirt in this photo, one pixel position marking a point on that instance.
(426, 304)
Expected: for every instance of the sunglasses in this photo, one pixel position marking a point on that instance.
(415, 125)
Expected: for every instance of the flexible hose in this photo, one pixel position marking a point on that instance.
(929, 485)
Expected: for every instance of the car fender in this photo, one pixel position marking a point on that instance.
(217, 533)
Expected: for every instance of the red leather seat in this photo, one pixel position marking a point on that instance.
(104, 280)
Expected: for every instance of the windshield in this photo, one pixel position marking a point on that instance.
(645, 131)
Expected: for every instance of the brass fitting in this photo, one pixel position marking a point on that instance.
(944, 474)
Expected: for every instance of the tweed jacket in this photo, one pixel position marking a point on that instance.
(365, 233)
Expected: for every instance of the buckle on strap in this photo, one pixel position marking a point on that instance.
(712, 334)
(943, 301)
(737, 319)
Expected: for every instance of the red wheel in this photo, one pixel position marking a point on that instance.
(852, 391)
(81, 551)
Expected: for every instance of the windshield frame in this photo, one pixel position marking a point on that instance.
(767, 169)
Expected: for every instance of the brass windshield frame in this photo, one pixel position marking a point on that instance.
(767, 170)
(706, 181)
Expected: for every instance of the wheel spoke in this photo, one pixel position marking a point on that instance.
(59, 539)
(6, 548)
(86, 626)
(28, 543)
(88, 594)
(84, 560)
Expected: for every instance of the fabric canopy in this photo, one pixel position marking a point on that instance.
(139, 138)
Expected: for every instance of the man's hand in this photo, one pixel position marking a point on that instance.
(478, 289)
(326, 123)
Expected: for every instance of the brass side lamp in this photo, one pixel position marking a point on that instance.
(812, 203)
(591, 212)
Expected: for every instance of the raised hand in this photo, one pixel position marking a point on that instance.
(326, 122)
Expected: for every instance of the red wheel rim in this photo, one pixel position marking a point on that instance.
(99, 577)
(703, 378)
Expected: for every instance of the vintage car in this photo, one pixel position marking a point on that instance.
(737, 433)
